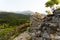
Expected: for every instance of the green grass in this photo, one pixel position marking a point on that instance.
(5, 31)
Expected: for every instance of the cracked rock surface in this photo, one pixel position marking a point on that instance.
(47, 28)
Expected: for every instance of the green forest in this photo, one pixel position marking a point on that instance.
(10, 22)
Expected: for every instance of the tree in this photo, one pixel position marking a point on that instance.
(51, 3)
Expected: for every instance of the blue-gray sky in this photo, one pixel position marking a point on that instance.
(22, 5)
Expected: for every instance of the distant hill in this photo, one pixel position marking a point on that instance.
(11, 14)
(25, 12)
(13, 18)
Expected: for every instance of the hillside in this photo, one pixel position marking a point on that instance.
(10, 17)
(10, 24)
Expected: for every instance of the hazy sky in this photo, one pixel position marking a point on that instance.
(22, 5)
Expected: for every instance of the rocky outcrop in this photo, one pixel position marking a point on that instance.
(35, 20)
(47, 28)
(23, 36)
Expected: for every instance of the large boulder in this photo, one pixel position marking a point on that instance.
(35, 20)
(48, 28)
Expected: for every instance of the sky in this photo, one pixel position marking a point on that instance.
(23, 5)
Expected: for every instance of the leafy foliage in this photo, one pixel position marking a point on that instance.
(50, 3)
(13, 18)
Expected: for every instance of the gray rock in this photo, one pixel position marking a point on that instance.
(48, 28)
